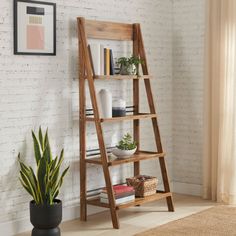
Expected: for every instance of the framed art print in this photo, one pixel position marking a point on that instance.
(34, 28)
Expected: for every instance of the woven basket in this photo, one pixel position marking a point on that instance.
(144, 185)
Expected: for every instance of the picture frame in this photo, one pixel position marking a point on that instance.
(34, 28)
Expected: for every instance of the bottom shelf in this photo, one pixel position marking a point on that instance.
(137, 201)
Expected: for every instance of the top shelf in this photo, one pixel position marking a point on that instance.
(121, 77)
(108, 30)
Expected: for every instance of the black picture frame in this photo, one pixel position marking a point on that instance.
(15, 15)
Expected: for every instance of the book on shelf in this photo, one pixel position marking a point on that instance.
(118, 189)
(95, 54)
(112, 66)
(101, 60)
(119, 200)
(119, 195)
(106, 61)
(91, 59)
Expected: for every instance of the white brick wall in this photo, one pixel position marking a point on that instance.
(188, 65)
(39, 90)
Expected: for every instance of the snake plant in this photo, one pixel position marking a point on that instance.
(44, 184)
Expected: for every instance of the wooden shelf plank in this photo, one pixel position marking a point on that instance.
(109, 30)
(137, 201)
(122, 118)
(121, 77)
(139, 156)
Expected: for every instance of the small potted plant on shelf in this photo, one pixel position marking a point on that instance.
(126, 147)
(129, 65)
(44, 185)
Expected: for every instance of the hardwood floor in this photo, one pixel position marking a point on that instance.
(135, 219)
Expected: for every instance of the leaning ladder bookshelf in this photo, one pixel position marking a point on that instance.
(128, 32)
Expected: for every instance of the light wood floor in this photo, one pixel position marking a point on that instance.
(136, 219)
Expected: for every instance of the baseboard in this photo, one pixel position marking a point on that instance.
(185, 188)
(11, 228)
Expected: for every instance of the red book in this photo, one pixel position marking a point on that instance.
(118, 189)
(117, 196)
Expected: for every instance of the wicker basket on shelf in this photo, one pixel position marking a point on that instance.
(144, 185)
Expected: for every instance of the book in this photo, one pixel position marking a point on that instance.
(117, 196)
(96, 57)
(120, 200)
(106, 61)
(91, 59)
(118, 189)
(112, 66)
(101, 60)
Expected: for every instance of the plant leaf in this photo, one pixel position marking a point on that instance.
(59, 184)
(53, 164)
(41, 178)
(26, 187)
(47, 148)
(37, 152)
(28, 184)
(41, 138)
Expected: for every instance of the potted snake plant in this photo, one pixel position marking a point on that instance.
(43, 185)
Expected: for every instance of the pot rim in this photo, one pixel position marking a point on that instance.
(57, 201)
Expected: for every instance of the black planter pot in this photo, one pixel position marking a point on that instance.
(46, 218)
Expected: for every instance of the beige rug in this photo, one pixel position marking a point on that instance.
(216, 221)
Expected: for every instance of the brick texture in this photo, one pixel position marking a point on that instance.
(188, 74)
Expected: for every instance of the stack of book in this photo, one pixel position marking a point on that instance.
(123, 194)
(102, 59)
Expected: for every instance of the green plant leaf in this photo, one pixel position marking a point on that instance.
(29, 173)
(41, 138)
(26, 187)
(56, 194)
(35, 184)
(60, 182)
(51, 198)
(55, 175)
(47, 148)
(61, 158)
(27, 182)
(55, 171)
(41, 178)
(53, 164)
(62, 176)
(24, 167)
(37, 152)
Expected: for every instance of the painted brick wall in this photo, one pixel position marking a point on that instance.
(36, 90)
(188, 74)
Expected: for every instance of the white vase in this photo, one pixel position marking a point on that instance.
(105, 103)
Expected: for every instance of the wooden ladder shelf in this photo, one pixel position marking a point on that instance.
(128, 32)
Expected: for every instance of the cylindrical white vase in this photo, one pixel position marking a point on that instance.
(105, 103)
